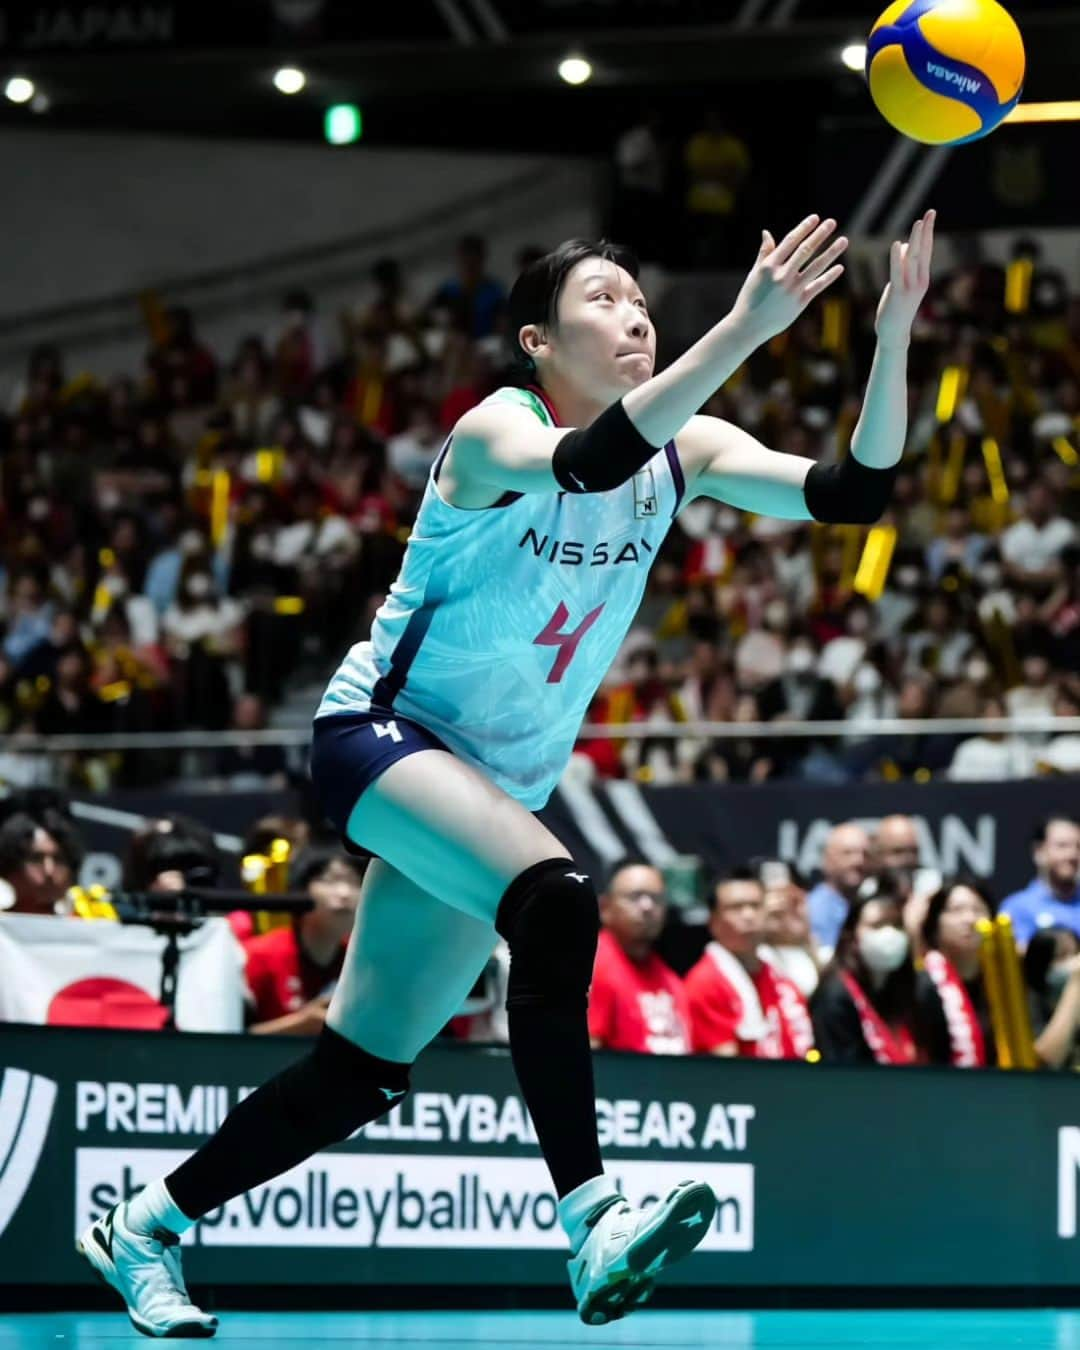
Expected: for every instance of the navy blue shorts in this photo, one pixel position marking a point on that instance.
(350, 750)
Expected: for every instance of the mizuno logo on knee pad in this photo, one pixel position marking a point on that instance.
(577, 876)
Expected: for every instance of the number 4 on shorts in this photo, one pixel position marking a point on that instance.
(387, 729)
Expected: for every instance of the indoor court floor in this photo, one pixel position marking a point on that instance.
(953, 1330)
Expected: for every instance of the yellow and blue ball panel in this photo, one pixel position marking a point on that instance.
(945, 72)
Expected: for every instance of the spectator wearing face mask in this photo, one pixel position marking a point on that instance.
(1052, 976)
(739, 1004)
(163, 575)
(636, 1001)
(863, 1009)
(952, 1013)
(1052, 899)
(868, 696)
(799, 694)
(845, 865)
(202, 632)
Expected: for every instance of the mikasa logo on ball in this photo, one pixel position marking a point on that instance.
(964, 82)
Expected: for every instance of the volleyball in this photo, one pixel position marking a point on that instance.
(945, 71)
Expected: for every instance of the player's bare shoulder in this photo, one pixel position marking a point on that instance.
(495, 447)
(465, 474)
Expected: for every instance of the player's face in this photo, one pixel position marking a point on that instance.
(604, 341)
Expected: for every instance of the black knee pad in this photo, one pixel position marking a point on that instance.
(338, 1087)
(550, 919)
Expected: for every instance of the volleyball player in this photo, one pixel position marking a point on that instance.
(436, 740)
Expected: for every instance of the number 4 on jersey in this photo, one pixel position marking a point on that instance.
(567, 643)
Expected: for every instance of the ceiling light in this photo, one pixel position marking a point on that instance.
(854, 56)
(19, 89)
(575, 70)
(289, 80)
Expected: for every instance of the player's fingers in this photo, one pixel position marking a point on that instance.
(914, 252)
(823, 283)
(896, 268)
(767, 245)
(821, 264)
(794, 238)
(927, 246)
(809, 247)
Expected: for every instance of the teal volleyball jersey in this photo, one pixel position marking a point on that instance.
(503, 621)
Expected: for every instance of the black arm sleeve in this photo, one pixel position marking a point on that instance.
(603, 455)
(848, 493)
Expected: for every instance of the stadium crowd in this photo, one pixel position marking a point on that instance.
(880, 962)
(179, 543)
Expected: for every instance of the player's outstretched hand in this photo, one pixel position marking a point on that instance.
(909, 276)
(787, 275)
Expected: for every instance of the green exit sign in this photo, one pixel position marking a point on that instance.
(343, 124)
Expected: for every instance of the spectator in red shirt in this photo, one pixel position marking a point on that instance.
(291, 971)
(636, 1001)
(739, 1004)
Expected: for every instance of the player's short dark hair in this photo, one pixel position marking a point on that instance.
(534, 297)
(1042, 829)
(630, 860)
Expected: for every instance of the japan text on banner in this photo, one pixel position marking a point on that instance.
(70, 972)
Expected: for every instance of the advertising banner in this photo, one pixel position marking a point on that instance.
(825, 1177)
(984, 828)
